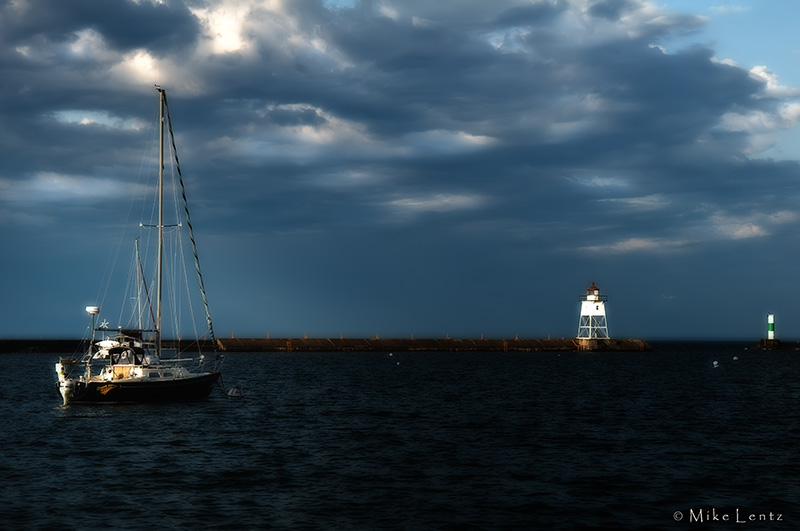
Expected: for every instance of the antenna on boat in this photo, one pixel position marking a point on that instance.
(93, 311)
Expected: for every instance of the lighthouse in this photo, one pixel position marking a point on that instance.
(592, 324)
(770, 327)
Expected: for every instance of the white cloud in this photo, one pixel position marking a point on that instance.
(50, 187)
(727, 62)
(753, 122)
(728, 8)
(224, 25)
(388, 11)
(443, 141)
(140, 67)
(307, 139)
(599, 181)
(717, 226)
(772, 88)
(630, 245)
(737, 227)
(438, 202)
(781, 217)
(648, 202)
(737, 231)
(761, 126)
(89, 45)
(84, 117)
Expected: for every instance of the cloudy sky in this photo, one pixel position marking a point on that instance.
(405, 166)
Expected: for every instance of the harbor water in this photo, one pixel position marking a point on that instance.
(429, 440)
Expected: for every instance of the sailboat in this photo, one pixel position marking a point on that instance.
(132, 364)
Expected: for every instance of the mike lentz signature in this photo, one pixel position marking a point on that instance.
(736, 516)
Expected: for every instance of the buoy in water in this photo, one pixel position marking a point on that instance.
(235, 392)
(716, 364)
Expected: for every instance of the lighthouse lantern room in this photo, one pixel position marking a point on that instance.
(592, 324)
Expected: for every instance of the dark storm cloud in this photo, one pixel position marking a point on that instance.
(534, 14)
(495, 142)
(124, 24)
(610, 9)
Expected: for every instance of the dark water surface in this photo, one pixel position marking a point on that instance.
(419, 441)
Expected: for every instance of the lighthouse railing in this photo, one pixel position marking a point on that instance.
(602, 298)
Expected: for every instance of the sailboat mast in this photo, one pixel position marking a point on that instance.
(139, 281)
(161, 96)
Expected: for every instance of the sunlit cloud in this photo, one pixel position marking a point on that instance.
(225, 25)
(726, 62)
(772, 87)
(761, 126)
(83, 117)
(140, 67)
(442, 141)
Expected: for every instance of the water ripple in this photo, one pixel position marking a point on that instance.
(440, 441)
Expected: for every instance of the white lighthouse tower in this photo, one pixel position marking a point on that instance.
(592, 324)
(770, 327)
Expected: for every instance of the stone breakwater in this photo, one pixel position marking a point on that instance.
(352, 345)
(777, 344)
(422, 344)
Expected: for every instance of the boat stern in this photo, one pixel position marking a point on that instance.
(66, 386)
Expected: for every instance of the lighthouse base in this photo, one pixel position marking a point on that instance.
(586, 344)
(775, 344)
(606, 344)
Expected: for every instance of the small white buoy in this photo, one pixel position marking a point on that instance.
(391, 353)
(736, 357)
(716, 364)
(235, 392)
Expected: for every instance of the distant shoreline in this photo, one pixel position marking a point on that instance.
(340, 344)
(305, 344)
